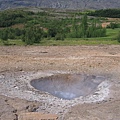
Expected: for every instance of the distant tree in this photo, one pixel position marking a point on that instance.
(52, 32)
(32, 35)
(4, 35)
(28, 37)
(114, 13)
(84, 25)
(118, 37)
(113, 25)
(74, 28)
(18, 32)
(96, 30)
(37, 33)
(11, 35)
(85, 31)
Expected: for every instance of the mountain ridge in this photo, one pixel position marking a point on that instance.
(64, 4)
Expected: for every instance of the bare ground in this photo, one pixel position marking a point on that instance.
(19, 65)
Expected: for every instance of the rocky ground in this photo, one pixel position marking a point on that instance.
(20, 65)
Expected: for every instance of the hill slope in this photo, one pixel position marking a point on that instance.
(67, 4)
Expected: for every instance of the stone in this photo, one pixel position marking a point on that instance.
(37, 116)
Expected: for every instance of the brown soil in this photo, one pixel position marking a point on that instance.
(104, 25)
(20, 26)
(19, 65)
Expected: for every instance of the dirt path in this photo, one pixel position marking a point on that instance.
(19, 65)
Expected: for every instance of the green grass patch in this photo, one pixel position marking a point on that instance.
(112, 32)
(12, 42)
(70, 42)
(73, 42)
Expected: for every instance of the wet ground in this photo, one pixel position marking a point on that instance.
(91, 71)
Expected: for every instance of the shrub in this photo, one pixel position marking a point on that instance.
(118, 37)
(32, 35)
(59, 36)
(4, 35)
(113, 25)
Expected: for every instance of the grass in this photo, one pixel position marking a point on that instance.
(112, 32)
(71, 42)
(12, 42)
(108, 40)
(77, 42)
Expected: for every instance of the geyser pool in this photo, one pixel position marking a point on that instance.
(68, 86)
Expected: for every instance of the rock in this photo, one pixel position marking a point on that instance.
(37, 116)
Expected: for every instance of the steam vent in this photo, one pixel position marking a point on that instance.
(68, 86)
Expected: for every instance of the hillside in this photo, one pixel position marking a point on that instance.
(66, 4)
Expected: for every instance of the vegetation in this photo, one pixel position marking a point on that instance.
(87, 31)
(32, 35)
(27, 27)
(118, 37)
(112, 13)
(8, 18)
(113, 25)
